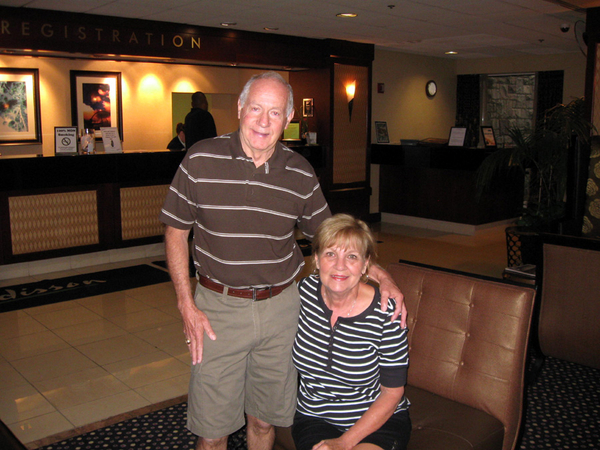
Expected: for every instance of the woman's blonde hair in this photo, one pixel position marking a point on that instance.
(344, 231)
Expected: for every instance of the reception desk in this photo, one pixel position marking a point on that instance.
(439, 183)
(67, 205)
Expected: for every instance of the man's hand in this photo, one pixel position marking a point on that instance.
(195, 324)
(389, 289)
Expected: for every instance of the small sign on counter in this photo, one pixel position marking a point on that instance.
(111, 140)
(65, 140)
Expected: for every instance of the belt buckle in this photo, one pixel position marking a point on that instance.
(254, 299)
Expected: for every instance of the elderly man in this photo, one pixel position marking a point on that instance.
(243, 194)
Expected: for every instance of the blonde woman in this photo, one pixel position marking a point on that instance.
(351, 358)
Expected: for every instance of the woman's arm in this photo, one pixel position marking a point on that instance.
(373, 418)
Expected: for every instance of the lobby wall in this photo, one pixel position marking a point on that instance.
(409, 113)
(146, 98)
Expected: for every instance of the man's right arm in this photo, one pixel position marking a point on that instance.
(195, 322)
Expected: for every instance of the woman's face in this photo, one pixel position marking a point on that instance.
(340, 268)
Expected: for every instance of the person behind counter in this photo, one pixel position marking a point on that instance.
(199, 123)
(178, 142)
(351, 358)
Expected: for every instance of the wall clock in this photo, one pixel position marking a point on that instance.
(431, 88)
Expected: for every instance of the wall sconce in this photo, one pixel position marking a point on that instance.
(350, 90)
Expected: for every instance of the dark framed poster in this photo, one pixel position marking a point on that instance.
(96, 101)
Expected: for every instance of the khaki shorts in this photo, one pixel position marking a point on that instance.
(248, 368)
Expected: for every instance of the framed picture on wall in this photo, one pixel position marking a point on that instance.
(489, 138)
(20, 120)
(382, 133)
(96, 101)
(307, 107)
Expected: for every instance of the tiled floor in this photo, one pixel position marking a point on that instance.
(76, 363)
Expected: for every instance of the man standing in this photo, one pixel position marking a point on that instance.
(243, 194)
(199, 123)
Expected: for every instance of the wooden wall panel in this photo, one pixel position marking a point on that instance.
(350, 131)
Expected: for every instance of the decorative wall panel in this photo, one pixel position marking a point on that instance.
(350, 125)
(53, 221)
(140, 208)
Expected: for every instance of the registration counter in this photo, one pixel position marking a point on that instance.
(439, 183)
(66, 205)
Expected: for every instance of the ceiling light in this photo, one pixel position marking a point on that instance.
(346, 15)
(451, 52)
(228, 24)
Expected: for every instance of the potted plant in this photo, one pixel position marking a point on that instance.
(542, 156)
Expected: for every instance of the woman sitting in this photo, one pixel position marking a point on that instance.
(351, 358)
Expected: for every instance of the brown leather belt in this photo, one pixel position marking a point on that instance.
(254, 293)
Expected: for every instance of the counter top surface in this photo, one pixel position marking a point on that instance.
(80, 170)
(434, 157)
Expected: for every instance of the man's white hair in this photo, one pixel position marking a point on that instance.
(270, 76)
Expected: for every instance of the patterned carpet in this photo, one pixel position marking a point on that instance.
(563, 412)
(563, 408)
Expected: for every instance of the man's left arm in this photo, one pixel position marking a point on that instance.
(389, 289)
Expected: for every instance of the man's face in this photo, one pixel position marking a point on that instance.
(262, 118)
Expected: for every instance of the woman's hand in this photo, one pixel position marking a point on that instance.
(333, 444)
(372, 420)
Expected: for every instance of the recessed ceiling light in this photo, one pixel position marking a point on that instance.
(346, 15)
(228, 24)
(270, 28)
(451, 52)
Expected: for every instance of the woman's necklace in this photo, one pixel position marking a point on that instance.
(351, 308)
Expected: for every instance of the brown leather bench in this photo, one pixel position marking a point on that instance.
(468, 345)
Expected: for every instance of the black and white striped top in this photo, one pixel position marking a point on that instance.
(244, 216)
(343, 368)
